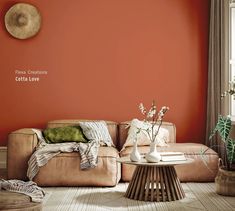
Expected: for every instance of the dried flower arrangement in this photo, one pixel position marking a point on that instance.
(154, 119)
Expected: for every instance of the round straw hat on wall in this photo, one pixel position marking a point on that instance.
(23, 20)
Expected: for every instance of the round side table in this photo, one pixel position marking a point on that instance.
(17, 202)
(154, 181)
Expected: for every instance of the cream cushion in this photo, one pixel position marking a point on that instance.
(97, 131)
(143, 138)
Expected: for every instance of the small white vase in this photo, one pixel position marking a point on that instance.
(135, 155)
(153, 156)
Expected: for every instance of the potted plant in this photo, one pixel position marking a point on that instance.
(225, 179)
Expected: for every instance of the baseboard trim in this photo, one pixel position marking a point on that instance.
(3, 157)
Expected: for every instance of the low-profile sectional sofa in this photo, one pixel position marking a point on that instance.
(64, 169)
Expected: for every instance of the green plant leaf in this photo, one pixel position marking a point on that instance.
(204, 158)
(223, 127)
(230, 146)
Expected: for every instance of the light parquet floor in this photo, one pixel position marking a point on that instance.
(199, 196)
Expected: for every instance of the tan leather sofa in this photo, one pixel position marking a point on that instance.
(193, 172)
(64, 169)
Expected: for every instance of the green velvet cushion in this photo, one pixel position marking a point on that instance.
(64, 134)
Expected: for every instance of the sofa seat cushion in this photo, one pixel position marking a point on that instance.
(196, 171)
(64, 170)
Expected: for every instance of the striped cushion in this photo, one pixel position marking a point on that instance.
(97, 131)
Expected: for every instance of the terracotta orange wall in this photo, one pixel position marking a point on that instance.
(105, 57)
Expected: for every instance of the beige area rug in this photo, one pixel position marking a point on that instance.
(199, 196)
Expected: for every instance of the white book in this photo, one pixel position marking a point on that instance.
(171, 153)
(172, 156)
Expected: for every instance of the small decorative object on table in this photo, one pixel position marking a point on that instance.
(154, 121)
(172, 156)
(135, 155)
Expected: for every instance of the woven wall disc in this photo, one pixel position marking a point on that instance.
(23, 20)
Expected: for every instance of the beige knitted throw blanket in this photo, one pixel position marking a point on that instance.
(44, 152)
(28, 188)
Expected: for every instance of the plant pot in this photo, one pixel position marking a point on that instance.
(153, 156)
(225, 182)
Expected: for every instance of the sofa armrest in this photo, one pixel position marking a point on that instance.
(21, 144)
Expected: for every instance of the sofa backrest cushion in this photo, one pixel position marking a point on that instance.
(64, 134)
(123, 132)
(112, 126)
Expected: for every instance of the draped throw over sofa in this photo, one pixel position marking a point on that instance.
(64, 169)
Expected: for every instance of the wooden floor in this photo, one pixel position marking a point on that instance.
(199, 196)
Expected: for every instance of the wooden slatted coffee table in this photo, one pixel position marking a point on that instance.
(154, 181)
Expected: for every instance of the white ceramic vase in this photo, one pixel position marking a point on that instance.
(135, 155)
(153, 156)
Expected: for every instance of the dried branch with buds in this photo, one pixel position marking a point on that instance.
(153, 118)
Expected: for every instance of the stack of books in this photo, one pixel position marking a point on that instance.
(172, 156)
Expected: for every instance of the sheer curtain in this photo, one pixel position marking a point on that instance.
(217, 69)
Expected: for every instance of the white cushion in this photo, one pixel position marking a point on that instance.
(97, 131)
(143, 138)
